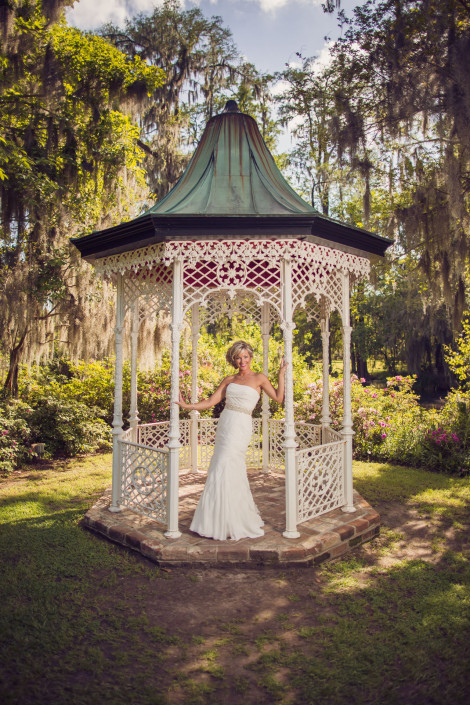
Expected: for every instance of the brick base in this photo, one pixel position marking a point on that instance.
(321, 539)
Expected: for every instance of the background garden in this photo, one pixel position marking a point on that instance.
(95, 126)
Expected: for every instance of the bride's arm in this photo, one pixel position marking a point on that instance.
(266, 386)
(214, 399)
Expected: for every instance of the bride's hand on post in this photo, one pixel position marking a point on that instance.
(181, 402)
(282, 367)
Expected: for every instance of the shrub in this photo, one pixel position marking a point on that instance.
(68, 427)
(15, 435)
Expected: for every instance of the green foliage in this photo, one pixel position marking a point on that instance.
(68, 428)
(389, 424)
(67, 405)
(203, 68)
(459, 358)
(15, 435)
(68, 155)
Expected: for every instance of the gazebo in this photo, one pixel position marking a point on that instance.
(232, 236)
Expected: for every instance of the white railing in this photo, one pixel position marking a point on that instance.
(254, 455)
(319, 463)
(307, 435)
(155, 435)
(331, 436)
(144, 480)
(207, 429)
(276, 444)
(320, 480)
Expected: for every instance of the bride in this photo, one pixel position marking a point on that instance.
(226, 508)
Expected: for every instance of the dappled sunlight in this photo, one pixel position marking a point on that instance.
(359, 627)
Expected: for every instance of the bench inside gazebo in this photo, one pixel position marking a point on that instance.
(233, 237)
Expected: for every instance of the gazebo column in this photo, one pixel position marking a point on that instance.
(133, 411)
(325, 341)
(265, 402)
(194, 414)
(347, 431)
(174, 434)
(117, 418)
(289, 429)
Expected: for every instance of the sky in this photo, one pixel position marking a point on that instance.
(267, 32)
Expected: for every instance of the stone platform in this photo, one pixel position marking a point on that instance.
(321, 539)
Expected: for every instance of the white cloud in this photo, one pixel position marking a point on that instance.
(273, 5)
(89, 14)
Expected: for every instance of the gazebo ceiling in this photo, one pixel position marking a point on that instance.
(230, 189)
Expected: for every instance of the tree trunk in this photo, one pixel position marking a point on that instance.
(10, 387)
(361, 367)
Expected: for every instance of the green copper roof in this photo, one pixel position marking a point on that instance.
(231, 188)
(232, 172)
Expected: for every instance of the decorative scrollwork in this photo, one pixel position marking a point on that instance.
(232, 274)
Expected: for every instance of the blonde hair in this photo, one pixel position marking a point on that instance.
(235, 349)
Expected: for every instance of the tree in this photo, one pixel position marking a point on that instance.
(308, 99)
(65, 149)
(406, 64)
(202, 67)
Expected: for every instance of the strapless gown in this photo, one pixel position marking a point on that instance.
(226, 507)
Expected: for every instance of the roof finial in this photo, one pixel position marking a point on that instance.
(231, 107)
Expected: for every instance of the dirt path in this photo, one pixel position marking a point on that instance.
(235, 629)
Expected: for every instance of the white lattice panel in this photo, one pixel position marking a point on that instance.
(220, 304)
(276, 444)
(330, 436)
(307, 435)
(154, 435)
(144, 480)
(207, 429)
(185, 440)
(310, 282)
(254, 457)
(153, 288)
(221, 251)
(320, 480)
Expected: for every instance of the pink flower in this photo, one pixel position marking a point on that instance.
(362, 380)
(4, 433)
(455, 438)
(374, 396)
(384, 435)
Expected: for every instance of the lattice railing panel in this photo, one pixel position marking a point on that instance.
(276, 444)
(185, 440)
(144, 480)
(207, 430)
(254, 456)
(307, 435)
(154, 435)
(331, 436)
(320, 480)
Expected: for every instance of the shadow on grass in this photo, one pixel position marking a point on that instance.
(443, 495)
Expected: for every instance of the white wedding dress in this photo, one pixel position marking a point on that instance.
(226, 508)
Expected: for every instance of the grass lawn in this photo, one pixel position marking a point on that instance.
(85, 622)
